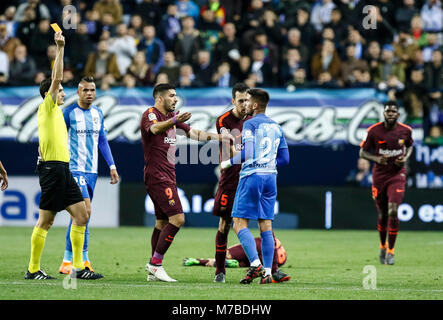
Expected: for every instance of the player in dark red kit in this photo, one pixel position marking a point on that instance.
(391, 145)
(159, 125)
(231, 122)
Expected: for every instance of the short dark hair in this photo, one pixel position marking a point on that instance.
(390, 103)
(87, 79)
(239, 87)
(260, 96)
(44, 86)
(160, 88)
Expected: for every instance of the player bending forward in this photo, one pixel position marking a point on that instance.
(264, 149)
(391, 144)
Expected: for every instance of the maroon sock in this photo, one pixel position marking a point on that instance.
(382, 229)
(393, 224)
(275, 260)
(154, 240)
(221, 242)
(164, 241)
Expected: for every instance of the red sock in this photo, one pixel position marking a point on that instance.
(154, 239)
(221, 242)
(164, 241)
(393, 224)
(382, 229)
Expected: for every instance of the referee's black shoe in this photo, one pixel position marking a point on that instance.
(85, 274)
(39, 275)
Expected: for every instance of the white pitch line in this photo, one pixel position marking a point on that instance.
(186, 286)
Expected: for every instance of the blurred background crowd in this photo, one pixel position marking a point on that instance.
(394, 46)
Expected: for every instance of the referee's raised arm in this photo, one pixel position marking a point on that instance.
(57, 70)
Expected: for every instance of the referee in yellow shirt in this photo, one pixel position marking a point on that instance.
(59, 189)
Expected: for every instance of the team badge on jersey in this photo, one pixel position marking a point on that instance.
(248, 133)
(172, 202)
(152, 116)
(401, 141)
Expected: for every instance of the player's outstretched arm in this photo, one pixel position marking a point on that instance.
(3, 177)
(57, 70)
(199, 135)
(163, 126)
(369, 156)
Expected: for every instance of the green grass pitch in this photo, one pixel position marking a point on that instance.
(323, 265)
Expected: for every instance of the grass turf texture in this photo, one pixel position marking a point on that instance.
(323, 265)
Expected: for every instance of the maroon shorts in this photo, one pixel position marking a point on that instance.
(166, 200)
(391, 190)
(223, 202)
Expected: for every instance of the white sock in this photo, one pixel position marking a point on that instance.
(268, 271)
(255, 263)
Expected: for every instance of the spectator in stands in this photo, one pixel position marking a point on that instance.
(350, 64)
(8, 19)
(325, 80)
(22, 68)
(228, 46)
(107, 28)
(338, 25)
(430, 45)
(41, 39)
(124, 48)
(187, 77)
(169, 27)
(362, 176)
(417, 28)
(414, 97)
(243, 68)
(384, 31)
(204, 69)
(187, 8)
(434, 79)
(4, 68)
(102, 65)
(251, 19)
(372, 57)
(321, 13)
(150, 11)
(7, 43)
(387, 10)
(141, 70)
(153, 48)
(298, 80)
(135, 28)
(40, 10)
(359, 42)
(218, 10)
(291, 63)
(307, 31)
(233, 10)
(405, 47)
(435, 136)
(45, 65)
(294, 42)
(432, 16)
(272, 27)
(170, 67)
(389, 66)
(187, 43)
(223, 78)
(209, 29)
(327, 60)
(79, 48)
(261, 68)
(361, 79)
(405, 13)
(69, 79)
(161, 78)
(129, 81)
(112, 7)
(26, 26)
(271, 50)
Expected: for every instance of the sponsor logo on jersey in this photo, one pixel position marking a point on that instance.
(170, 141)
(390, 153)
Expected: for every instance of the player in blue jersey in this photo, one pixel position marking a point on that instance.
(264, 150)
(86, 135)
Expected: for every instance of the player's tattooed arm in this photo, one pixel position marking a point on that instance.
(383, 160)
(200, 135)
(163, 126)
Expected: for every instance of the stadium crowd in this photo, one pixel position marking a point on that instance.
(395, 46)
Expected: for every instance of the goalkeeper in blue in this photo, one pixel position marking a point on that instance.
(264, 149)
(86, 135)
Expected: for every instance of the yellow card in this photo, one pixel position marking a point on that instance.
(56, 27)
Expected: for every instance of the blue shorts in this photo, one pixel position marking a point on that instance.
(255, 197)
(86, 182)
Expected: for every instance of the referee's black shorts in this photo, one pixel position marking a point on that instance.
(59, 189)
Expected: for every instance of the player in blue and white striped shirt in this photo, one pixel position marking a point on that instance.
(264, 150)
(86, 135)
